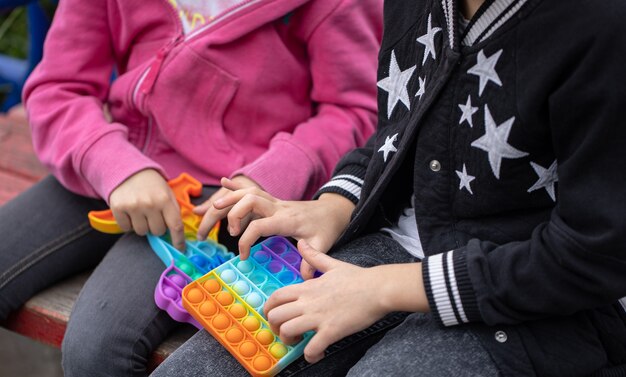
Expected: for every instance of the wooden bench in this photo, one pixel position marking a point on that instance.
(44, 317)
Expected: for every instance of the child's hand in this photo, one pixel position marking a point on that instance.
(145, 203)
(344, 300)
(212, 215)
(255, 213)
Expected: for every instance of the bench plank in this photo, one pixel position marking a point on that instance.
(44, 318)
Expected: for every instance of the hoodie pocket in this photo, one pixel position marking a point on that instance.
(188, 103)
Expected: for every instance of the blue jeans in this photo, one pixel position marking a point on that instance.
(398, 345)
(115, 325)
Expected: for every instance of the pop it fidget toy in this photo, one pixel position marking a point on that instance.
(184, 186)
(228, 302)
(199, 258)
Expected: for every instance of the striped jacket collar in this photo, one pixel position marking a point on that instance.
(489, 18)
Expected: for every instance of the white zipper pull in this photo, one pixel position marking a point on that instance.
(155, 67)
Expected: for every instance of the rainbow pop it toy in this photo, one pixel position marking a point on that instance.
(228, 302)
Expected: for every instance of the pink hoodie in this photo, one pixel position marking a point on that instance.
(277, 90)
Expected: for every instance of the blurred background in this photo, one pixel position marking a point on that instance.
(22, 29)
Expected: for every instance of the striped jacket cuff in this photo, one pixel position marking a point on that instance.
(449, 289)
(347, 182)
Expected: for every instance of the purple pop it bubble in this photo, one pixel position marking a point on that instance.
(261, 256)
(274, 267)
(178, 280)
(170, 292)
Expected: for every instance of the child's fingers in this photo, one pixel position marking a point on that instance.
(139, 223)
(291, 331)
(264, 227)
(307, 270)
(314, 350)
(281, 297)
(231, 185)
(278, 315)
(123, 220)
(171, 214)
(202, 208)
(210, 218)
(156, 222)
(314, 258)
(248, 205)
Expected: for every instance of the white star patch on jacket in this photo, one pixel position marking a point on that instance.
(468, 111)
(547, 179)
(494, 142)
(428, 40)
(466, 179)
(485, 69)
(422, 89)
(396, 85)
(388, 146)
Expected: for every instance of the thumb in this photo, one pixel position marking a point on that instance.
(314, 258)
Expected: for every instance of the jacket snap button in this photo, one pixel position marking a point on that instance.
(435, 165)
(501, 336)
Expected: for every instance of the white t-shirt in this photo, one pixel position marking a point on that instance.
(196, 13)
(406, 233)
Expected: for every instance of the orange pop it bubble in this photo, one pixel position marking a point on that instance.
(265, 337)
(195, 295)
(234, 335)
(231, 305)
(212, 285)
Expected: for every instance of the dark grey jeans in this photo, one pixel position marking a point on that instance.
(115, 324)
(398, 345)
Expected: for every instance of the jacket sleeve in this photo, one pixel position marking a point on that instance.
(64, 100)
(349, 175)
(576, 260)
(342, 47)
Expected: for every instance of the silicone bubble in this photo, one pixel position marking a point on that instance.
(278, 247)
(251, 324)
(186, 268)
(292, 258)
(212, 286)
(278, 350)
(275, 267)
(248, 349)
(229, 276)
(224, 298)
(241, 287)
(178, 280)
(258, 278)
(254, 299)
(287, 277)
(234, 335)
(221, 322)
(170, 292)
(265, 337)
(261, 363)
(269, 289)
(194, 295)
(207, 308)
(262, 256)
(199, 261)
(245, 266)
(238, 311)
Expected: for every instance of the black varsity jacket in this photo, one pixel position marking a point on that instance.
(511, 135)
